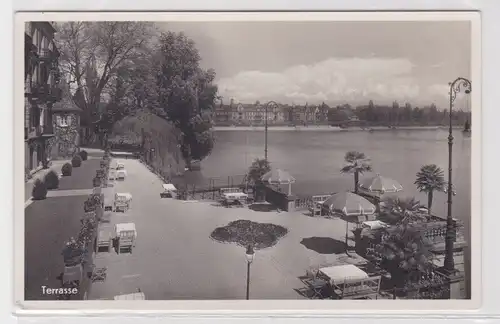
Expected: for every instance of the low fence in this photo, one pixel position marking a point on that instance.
(207, 190)
(303, 203)
(210, 189)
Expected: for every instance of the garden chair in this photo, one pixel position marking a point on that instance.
(72, 275)
(104, 239)
(98, 274)
(126, 235)
(317, 287)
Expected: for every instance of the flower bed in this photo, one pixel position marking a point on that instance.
(245, 232)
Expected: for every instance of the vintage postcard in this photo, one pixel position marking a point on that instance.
(246, 159)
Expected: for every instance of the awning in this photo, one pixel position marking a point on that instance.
(344, 273)
(169, 187)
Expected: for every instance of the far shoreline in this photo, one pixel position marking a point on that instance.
(329, 128)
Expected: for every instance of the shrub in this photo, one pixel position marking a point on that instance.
(66, 169)
(39, 190)
(51, 180)
(76, 161)
(84, 155)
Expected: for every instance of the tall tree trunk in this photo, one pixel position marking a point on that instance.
(356, 180)
(430, 196)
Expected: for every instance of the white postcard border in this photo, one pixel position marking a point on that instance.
(317, 308)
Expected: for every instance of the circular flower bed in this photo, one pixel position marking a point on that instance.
(245, 232)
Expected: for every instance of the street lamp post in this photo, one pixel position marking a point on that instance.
(455, 87)
(267, 108)
(249, 255)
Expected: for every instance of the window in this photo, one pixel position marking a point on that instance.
(63, 121)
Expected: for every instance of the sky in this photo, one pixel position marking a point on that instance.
(333, 62)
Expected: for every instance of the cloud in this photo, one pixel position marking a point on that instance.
(332, 80)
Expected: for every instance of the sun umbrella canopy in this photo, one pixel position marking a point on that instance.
(349, 204)
(380, 185)
(278, 177)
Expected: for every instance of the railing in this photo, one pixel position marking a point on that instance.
(39, 89)
(46, 91)
(38, 131)
(431, 286)
(303, 203)
(46, 55)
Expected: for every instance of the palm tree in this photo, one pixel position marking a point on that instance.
(405, 253)
(430, 178)
(357, 163)
(403, 210)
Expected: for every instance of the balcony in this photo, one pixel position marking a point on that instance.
(38, 132)
(46, 92)
(39, 89)
(55, 94)
(46, 55)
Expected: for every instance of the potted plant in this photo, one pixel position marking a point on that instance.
(67, 169)
(92, 202)
(88, 225)
(73, 252)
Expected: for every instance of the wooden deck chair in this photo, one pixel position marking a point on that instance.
(126, 240)
(98, 274)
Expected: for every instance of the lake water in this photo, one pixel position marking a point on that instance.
(315, 160)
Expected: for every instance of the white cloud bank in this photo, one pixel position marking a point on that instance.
(334, 80)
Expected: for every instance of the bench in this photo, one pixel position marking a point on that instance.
(317, 204)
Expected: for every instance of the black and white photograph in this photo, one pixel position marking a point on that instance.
(248, 159)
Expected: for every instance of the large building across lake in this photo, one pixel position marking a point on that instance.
(255, 114)
(371, 114)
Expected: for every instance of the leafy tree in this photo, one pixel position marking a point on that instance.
(430, 178)
(187, 93)
(258, 168)
(93, 52)
(357, 163)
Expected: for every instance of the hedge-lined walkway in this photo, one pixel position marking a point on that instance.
(81, 178)
(49, 223)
